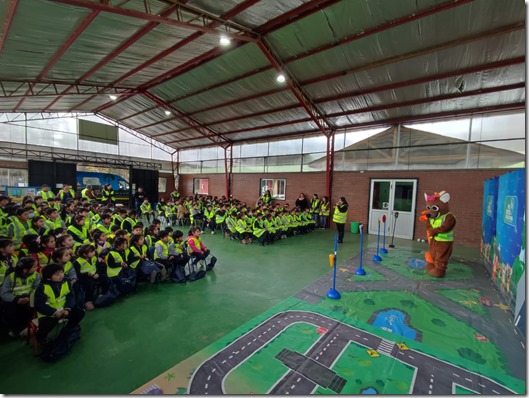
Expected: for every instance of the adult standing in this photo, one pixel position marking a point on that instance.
(340, 217)
(108, 195)
(302, 202)
(139, 196)
(88, 193)
(45, 193)
(66, 193)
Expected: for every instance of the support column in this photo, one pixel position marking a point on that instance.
(175, 168)
(329, 164)
(228, 168)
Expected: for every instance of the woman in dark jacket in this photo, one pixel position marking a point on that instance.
(302, 202)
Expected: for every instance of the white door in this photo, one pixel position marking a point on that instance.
(388, 197)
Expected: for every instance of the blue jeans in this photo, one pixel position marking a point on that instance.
(323, 221)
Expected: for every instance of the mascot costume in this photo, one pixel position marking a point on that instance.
(440, 231)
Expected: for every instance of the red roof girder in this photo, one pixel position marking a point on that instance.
(200, 60)
(377, 108)
(201, 128)
(7, 22)
(122, 47)
(393, 86)
(345, 40)
(153, 18)
(60, 52)
(229, 14)
(385, 61)
(305, 101)
(404, 119)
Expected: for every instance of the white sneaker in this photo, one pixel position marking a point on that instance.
(24, 333)
(212, 232)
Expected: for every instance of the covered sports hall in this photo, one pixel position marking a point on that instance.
(376, 101)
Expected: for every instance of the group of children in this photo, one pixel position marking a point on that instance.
(77, 258)
(265, 223)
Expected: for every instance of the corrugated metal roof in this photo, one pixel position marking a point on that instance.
(348, 63)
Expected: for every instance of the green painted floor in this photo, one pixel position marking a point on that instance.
(138, 338)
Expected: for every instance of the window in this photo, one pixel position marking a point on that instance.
(13, 177)
(201, 186)
(162, 184)
(276, 186)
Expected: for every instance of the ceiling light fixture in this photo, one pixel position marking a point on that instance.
(224, 41)
(113, 97)
(281, 78)
(167, 112)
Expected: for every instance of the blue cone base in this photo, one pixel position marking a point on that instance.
(377, 258)
(333, 294)
(384, 250)
(360, 271)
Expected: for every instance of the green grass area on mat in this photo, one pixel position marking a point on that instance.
(370, 276)
(363, 373)
(439, 329)
(397, 261)
(261, 371)
(468, 298)
(439, 336)
(463, 391)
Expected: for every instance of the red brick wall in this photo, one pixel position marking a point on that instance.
(465, 188)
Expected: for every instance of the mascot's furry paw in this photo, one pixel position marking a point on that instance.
(437, 272)
(429, 266)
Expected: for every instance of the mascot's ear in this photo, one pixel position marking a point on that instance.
(444, 196)
(425, 197)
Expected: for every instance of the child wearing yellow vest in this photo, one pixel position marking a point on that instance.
(15, 293)
(55, 300)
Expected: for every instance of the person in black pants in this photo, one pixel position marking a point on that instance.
(139, 197)
(340, 217)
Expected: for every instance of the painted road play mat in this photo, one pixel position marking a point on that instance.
(395, 330)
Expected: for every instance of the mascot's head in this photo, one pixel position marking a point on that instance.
(437, 204)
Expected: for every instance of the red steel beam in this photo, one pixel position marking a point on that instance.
(386, 61)
(122, 47)
(276, 23)
(230, 14)
(153, 18)
(7, 23)
(394, 86)
(305, 101)
(60, 52)
(403, 119)
(201, 128)
(294, 15)
(376, 108)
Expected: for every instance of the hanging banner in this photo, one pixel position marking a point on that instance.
(488, 221)
(509, 260)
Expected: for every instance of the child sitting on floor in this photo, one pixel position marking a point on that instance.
(55, 300)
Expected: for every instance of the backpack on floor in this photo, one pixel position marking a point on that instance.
(211, 263)
(178, 274)
(195, 273)
(59, 347)
(126, 280)
(147, 267)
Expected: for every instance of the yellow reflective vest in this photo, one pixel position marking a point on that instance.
(55, 302)
(339, 217)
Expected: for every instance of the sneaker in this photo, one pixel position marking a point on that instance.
(89, 306)
(24, 333)
(212, 232)
(12, 334)
(243, 242)
(250, 240)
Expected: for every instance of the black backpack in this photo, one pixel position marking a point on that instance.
(178, 274)
(59, 347)
(126, 280)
